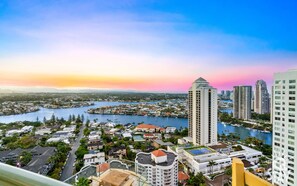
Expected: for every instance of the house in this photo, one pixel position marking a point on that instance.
(159, 143)
(138, 138)
(147, 128)
(149, 136)
(94, 136)
(95, 145)
(58, 139)
(167, 136)
(43, 131)
(71, 128)
(27, 129)
(63, 134)
(182, 177)
(95, 159)
(13, 132)
(127, 135)
(117, 152)
(170, 129)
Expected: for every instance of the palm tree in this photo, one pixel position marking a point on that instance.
(211, 164)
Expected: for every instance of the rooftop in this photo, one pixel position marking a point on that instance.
(118, 177)
(195, 151)
(146, 158)
(182, 176)
(158, 153)
(146, 126)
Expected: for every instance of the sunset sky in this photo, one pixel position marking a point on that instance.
(143, 45)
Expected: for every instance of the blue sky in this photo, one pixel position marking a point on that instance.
(228, 43)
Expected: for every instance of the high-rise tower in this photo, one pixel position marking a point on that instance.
(284, 147)
(261, 105)
(242, 102)
(203, 113)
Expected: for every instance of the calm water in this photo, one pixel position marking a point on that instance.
(160, 121)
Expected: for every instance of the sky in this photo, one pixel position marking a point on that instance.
(158, 46)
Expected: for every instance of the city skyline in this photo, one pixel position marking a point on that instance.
(144, 46)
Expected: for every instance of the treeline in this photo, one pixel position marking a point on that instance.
(264, 117)
(123, 96)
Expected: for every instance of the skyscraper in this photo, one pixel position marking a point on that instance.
(203, 113)
(261, 105)
(242, 102)
(284, 147)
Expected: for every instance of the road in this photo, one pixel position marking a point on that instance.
(68, 169)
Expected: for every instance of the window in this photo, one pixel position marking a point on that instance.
(277, 82)
(292, 87)
(292, 81)
(292, 92)
(291, 98)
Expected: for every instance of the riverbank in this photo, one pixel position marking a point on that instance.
(159, 121)
(168, 108)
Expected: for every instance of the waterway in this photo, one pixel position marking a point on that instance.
(160, 121)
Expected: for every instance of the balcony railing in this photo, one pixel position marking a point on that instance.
(13, 176)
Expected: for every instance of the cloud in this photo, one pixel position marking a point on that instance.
(64, 45)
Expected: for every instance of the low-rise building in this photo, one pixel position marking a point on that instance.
(95, 145)
(147, 128)
(127, 135)
(149, 136)
(43, 131)
(170, 129)
(197, 159)
(27, 129)
(97, 158)
(248, 154)
(159, 143)
(13, 132)
(117, 152)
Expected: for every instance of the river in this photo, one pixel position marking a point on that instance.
(160, 121)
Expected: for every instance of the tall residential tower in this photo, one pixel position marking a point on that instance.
(203, 113)
(261, 105)
(284, 147)
(242, 102)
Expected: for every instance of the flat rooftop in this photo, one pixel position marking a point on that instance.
(146, 158)
(195, 151)
(117, 177)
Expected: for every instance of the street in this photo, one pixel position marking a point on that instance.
(68, 169)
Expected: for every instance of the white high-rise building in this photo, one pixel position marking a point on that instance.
(242, 102)
(284, 108)
(203, 113)
(158, 167)
(261, 99)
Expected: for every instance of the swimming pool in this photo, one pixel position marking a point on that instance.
(199, 151)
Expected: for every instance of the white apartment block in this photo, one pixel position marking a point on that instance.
(160, 168)
(284, 108)
(203, 112)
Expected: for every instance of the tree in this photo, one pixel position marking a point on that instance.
(196, 180)
(82, 182)
(228, 171)
(25, 157)
(211, 164)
